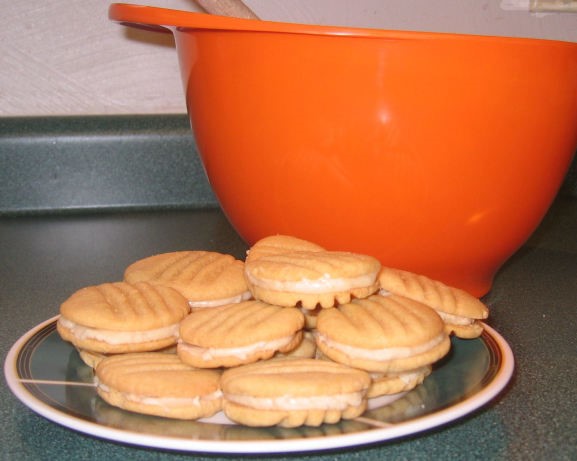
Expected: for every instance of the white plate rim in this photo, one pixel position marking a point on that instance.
(310, 444)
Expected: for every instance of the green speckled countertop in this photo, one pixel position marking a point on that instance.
(51, 247)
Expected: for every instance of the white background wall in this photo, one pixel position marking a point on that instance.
(63, 57)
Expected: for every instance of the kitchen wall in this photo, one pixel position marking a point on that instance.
(63, 57)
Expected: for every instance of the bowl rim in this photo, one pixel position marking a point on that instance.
(172, 20)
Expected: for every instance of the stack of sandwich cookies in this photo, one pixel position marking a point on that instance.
(158, 384)
(462, 313)
(206, 278)
(120, 317)
(291, 272)
(293, 392)
(393, 337)
(320, 333)
(240, 333)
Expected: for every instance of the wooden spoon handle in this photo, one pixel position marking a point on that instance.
(234, 8)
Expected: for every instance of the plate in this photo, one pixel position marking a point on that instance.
(47, 375)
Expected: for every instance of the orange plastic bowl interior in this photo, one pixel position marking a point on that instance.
(437, 153)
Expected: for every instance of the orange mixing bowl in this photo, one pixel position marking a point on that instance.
(437, 153)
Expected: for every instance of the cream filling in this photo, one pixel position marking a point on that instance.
(119, 337)
(320, 285)
(379, 355)
(166, 402)
(455, 319)
(220, 302)
(288, 402)
(242, 352)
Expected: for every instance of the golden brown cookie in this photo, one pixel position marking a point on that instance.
(239, 333)
(109, 416)
(205, 278)
(306, 349)
(92, 359)
(122, 317)
(280, 244)
(311, 317)
(387, 334)
(393, 383)
(293, 392)
(291, 272)
(461, 312)
(158, 384)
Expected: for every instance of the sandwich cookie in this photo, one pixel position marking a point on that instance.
(235, 334)
(306, 349)
(462, 312)
(121, 317)
(158, 384)
(293, 392)
(311, 317)
(291, 272)
(386, 334)
(92, 359)
(393, 383)
(280, 244)
(206, 278)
